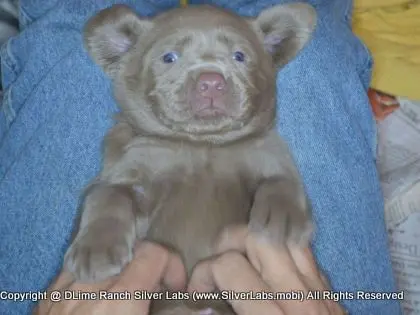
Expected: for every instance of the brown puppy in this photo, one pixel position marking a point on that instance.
(194, 148)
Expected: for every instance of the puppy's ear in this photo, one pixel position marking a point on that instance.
(111, 33)
(286, 28)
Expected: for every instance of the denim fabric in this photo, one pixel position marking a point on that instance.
(58, 105)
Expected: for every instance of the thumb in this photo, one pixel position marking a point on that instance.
(153, 264)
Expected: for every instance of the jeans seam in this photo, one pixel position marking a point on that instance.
(348, 12)
(8, 59)
(367, 66)
(375, 141)
(25, 18)
(7, 108)
(10, 111)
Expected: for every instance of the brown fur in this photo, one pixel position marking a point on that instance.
(176, 179)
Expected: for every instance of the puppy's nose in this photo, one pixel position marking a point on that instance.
(211, 84)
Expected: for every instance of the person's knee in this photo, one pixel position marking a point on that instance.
(338, 48)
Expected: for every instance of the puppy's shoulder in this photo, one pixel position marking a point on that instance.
(144, 157)
(265, 156)
(115, 141)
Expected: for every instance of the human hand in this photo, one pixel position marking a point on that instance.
(151, 266)
(267, 269)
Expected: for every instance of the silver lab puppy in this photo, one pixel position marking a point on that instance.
(194, 148)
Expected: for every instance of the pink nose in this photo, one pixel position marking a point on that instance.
(211, 84)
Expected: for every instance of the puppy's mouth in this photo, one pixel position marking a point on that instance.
(209, 96)
(204, 102)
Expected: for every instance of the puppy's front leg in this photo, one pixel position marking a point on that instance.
(281, 212)
(106, 236)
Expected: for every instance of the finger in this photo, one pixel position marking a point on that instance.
(316, 281)
(334, 307)
(312, 276)
(144, 273)
(304, 261)
(236, 237)
(151, 265)
(306, 265)
(232, 272)
(275, 264)
(233, 237)
(202, 278)
(280, 272)
(175, 277)
(66, 282)
(43, 308)
(62, 281)
(325, 281)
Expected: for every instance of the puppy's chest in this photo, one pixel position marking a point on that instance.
(150, 162)
(145, 162)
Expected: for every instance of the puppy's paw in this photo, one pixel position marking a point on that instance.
(100, 250)
(281, 223)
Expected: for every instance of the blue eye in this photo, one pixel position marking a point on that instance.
(170, 57)
(239, 56)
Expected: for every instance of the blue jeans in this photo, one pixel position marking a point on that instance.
(57, 107)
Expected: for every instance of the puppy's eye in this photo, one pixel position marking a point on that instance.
(170, 57)
(239, 56)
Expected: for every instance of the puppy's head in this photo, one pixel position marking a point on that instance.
(199, 73)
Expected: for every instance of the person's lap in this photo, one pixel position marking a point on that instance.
(58, 105)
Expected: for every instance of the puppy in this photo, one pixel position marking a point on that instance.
(194, 148)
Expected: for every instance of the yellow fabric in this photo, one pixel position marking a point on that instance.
(391, 31)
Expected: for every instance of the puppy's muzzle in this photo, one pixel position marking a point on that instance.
(209, 95)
